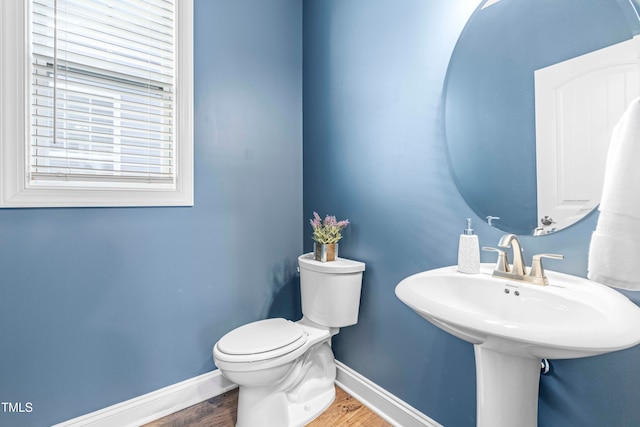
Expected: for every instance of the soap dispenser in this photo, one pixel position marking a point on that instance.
(469, 251)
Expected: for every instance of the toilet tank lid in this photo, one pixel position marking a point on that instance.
(339, 266)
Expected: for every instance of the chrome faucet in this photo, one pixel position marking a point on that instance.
(519, 271)
(511, 240)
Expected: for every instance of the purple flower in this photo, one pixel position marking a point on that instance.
(316, 221)
(343, 223)
(329, 221)
(327, 230)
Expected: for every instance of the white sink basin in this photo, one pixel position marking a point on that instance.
(571, 317)
(514, 324)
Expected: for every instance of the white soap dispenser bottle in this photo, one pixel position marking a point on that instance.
(469, 251)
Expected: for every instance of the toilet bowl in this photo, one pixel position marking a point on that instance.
(286, 370)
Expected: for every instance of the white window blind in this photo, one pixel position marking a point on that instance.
(102, 97)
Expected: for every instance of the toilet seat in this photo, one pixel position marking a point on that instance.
(261, 340)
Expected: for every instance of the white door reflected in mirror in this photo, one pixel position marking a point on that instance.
(578, 103)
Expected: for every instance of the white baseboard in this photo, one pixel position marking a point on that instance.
(160, 403)
(392, 409)
(157, 404)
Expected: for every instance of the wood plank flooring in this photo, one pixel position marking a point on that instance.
(221, 412)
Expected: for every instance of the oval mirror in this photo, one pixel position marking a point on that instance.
(490, 101)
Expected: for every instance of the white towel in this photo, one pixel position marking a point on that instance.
(614, 252)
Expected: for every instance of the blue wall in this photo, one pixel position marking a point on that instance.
(374, 153)
(98, 306)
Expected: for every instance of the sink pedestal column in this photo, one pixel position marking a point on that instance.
(507, 389)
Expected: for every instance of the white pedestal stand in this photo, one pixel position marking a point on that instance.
(507, 389)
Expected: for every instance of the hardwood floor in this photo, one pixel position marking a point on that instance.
(347, 411)
(221, 412)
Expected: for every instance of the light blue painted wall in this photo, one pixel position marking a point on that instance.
(374, 153)
(98, 306)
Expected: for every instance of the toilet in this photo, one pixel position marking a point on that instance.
(286, 370)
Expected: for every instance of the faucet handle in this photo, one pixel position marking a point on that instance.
(537, 271)
(503, 262)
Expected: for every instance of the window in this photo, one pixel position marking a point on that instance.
(120, 130)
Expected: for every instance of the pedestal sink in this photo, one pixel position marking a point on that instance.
(513, 325)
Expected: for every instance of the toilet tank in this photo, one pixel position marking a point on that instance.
(330, 291)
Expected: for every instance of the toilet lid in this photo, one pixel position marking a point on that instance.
(273, 336)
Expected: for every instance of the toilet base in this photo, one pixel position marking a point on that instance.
(304, 393)
(304, 413)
